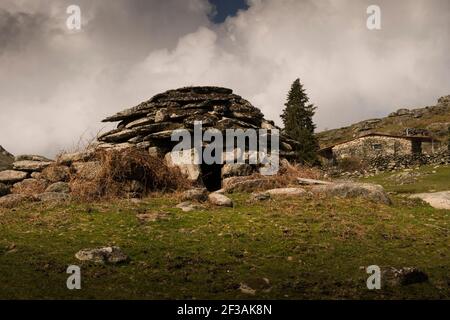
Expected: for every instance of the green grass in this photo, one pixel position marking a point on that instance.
(307, 247)
(431, 179)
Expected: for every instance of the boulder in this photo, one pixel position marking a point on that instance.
(220, 200)
(186, 206)
(368, 191)
(59, 187)
(236, 169)
(29, 186)
(31, 165)
(4, 190)
(69, 158)
(31, 157)
(56, 173)
(196, 194)
(12, 176)
(14, 200)
(103, 255)
(185, 161)
(246, 184)
(55, 197)
(287, 192)
(438, 200)
(6, 159)
(87, 170)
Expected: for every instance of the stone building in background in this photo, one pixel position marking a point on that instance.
(375, 145)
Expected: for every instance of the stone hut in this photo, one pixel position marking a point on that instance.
(374, 145)
(150, 125)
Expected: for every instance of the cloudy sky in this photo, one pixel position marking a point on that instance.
(56, 84)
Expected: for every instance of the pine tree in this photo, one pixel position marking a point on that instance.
(298, 123)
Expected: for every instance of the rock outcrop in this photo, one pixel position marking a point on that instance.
(6, 159)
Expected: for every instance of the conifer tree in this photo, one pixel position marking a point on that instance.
(298, 123)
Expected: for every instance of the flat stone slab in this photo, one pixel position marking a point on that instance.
(31, 165)
(438, 200)
(102, 255)
(286, 192)
(12, 176)
(306, 181)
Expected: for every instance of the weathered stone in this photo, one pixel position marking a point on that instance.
(55, 197)
(186, 206)
(29, 186)
(102, 255)
(157, 127)
(368, 191)
(115, 147)
(438, 200)
(6, 159)
(14, 200)
(155, 152)
(12, 176)
(236, 169)
(69, 158)
(87, 170)
(196, 194)
(140, 122)
(36, 175)
(305, 181)
(160, 135)
(287, 192)
(144, 145)
(268, 125)
(31, 157)
(185, 162)
(30, 165)
(135, 112)
(56, 173)
(161, 115)
(220, 200)
(60, 187)
(120, 136)
(4, 190)
(245, 184)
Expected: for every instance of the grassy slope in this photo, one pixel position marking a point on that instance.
(388, 125)
(307, 248)
(432, 179)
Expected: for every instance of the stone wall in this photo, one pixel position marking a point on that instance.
(372, 147)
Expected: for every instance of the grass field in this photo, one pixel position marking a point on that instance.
(307, 248)
(430, 179)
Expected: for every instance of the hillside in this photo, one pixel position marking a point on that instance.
(431, 120)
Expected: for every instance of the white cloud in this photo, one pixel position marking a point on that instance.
(58, 86)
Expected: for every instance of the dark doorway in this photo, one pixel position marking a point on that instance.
(212, 176)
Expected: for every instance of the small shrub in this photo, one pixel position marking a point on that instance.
(125, 173)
